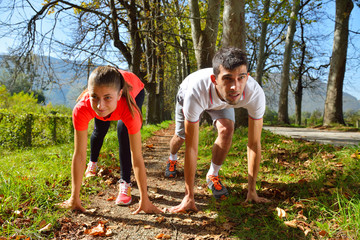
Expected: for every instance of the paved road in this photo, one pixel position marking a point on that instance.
(321, 136)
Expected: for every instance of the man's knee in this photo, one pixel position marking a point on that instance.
(225, 128)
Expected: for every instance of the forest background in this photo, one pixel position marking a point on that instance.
(288, 45)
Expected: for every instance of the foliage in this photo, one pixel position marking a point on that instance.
(25, 123)
(26, 130)
(313, 183)
(23, 74)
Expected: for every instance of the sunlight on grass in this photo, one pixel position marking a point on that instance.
(33, 181)
(317, 186)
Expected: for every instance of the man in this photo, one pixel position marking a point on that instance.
(218, 91)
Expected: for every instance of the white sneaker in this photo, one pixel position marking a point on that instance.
(91, 169)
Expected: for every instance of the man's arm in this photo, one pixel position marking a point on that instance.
(191, 152)
(254, 157)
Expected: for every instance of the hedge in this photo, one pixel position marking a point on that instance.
(34, 130)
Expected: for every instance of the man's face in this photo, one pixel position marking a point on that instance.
(230, 84)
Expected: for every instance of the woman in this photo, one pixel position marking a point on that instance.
(98, 135)
(107, 99)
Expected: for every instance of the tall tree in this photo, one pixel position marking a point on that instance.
(204, 40)
(261, 56)
(333, 112)
(283, 115)
(234, 35)
(111, 31)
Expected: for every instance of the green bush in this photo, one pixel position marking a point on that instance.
(33, 130)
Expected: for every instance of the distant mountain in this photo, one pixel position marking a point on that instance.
(69, 86)
(67, 81)
(313, 99)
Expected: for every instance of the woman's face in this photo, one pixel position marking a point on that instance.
(103, 99)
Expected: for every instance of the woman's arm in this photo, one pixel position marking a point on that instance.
(140, 174)
(77, 171)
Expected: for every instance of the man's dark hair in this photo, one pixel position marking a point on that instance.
(230, 58)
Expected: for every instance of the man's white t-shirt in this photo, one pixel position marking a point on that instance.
(198, 94)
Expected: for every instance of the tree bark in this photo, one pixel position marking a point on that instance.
(261, 55)
(283, 115)
(299, 87)
(234, 35)
(204, 40)
(333, 112)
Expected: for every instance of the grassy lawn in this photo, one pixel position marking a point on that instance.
(32, 181)
(314, 189)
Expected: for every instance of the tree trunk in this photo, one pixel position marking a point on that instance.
(333, 112)
(204, 40)
(283, 115)
(261, 55)
(234, 35)
(299, 87)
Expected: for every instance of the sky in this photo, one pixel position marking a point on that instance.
(352, 75)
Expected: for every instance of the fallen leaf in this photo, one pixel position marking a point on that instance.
(46, 228)
(299, 205)
(166, 236)
(281, 212)
(112, 198)
(150, 146)
(323, 233)
(147, 226)
(19, 213)
(42, 223)
(291, 223)
(326, 156)
(159, 236)
(98, 230)
(100, 194)
(108, 232)
(160, 219)
(355, 155)
(91, 210)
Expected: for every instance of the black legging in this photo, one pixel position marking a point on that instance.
(98, 135)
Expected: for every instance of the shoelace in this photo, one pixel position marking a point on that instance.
(216, 182)
(124, 188)
(172, 165)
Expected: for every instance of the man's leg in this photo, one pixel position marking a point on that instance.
(176, 142)
(225, 129)
(224, 124)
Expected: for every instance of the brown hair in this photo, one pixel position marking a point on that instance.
(110, 76)
(230, 58)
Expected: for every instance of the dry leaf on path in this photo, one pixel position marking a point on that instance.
(98, 230)
(281, 212)
(46, 228)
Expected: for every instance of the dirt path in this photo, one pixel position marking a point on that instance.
(165, 193)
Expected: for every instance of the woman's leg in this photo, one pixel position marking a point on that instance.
(97, 138)
(124, 145)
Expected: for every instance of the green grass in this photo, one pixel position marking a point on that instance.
(33, 181)
(317, 185)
